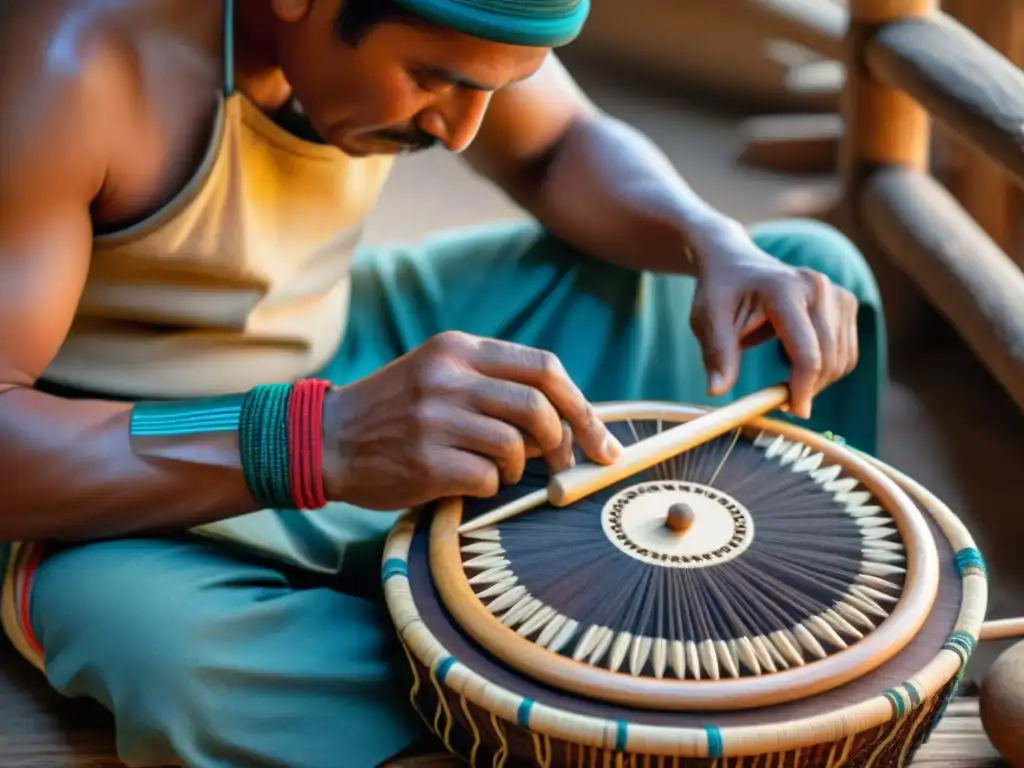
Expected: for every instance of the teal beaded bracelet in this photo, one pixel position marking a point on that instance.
(263, 444)
(279, 436)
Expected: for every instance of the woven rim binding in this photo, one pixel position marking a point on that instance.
(539, 24)
(706, 742)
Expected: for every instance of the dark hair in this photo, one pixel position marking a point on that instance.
(357, 18)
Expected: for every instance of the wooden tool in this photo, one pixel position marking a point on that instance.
(573, 484)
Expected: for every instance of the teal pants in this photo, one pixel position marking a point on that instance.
(209, 656)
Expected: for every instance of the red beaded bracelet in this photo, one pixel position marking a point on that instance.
(305, 443)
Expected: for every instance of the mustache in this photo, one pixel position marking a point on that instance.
(411, 139)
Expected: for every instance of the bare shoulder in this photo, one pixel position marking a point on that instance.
(67, 75)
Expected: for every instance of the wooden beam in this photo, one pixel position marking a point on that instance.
(792, 143)
(817, 25)
(817, 78)
(926, 233)
(961, 80)
(983, 186)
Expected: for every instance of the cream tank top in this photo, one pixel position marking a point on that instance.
(242, 279)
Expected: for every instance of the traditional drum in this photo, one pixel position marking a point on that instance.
(734, 591)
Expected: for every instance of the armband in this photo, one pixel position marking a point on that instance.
(280, 436)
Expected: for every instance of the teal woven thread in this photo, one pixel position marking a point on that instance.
(621, 736)
(969, 560)
(912, 694)
(963, 644)
(443, 668)
(716, 747)
(523, 713)
(263, 444)
(394, 566)
(898, 705)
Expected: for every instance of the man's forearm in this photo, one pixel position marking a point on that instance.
(70, 472)
(610, 192)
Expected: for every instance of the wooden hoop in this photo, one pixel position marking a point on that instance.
(888, 639)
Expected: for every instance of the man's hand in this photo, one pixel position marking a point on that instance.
(458, 416)
(746, 297)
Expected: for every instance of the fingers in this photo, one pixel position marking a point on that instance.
(818, 328)
(850, 308)
(714, 323)
(835, 312)
(460, 473)
(542, 371)
(825, 317)
(790, 316)
(527, 409)
(491, 439)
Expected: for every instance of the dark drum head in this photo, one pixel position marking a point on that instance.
(918, 653)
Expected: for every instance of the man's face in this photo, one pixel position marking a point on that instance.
(403, 88)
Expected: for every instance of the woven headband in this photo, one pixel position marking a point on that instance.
(535, 23)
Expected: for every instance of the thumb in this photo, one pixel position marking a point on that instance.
(720, 345)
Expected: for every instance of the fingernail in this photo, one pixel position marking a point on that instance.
(572, 460)
(716, 381)
(612, 448)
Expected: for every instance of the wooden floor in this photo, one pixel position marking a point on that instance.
(959, 741)
(38, 728)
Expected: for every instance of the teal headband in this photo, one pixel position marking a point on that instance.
(535, 23)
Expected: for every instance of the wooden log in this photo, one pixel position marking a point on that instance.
(792, 143)
(817, 25)
(983, 186)
(961, 80)
(927, 234)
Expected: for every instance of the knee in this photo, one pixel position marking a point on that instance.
(822, 247)
(131, 638)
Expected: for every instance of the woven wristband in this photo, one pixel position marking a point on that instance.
(305, 443)
(263, 445)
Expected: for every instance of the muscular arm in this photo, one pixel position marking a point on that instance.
(69, 471)
(589, 178)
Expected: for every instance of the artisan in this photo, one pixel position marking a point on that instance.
(214, 398)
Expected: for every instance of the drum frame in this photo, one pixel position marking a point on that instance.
(710, 741)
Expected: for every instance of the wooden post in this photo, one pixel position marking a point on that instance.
(882, 126)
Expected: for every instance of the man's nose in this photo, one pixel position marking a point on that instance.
(455, 120)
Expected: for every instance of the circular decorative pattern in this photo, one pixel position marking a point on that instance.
(677, 524)
(817, 589)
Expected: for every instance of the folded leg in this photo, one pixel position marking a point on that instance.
(210, 659)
